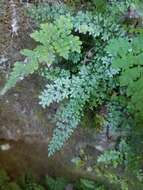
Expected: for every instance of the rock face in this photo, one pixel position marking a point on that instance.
(19, 110)
(25, 131)
(20, 115)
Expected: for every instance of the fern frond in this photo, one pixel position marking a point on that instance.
(68, 119)
(55, 92)
(55, 39)
(20, 71)
(128, 58)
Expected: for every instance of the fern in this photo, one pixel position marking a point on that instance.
(45, 12)
(20, 71)
(84, 22)
(80, 89)
(128, 58)
(5, 183)
(55, 39)
(76, 79)
(55, 184)
(111, 157)
(28, 182)
(86, 184)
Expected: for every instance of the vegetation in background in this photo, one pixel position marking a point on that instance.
(29, 182)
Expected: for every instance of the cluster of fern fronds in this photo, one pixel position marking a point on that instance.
(128, 61)
(72, 56)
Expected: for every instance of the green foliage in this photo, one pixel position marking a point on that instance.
(87, 62)
(118, 118)
(85, 184)
(123, 156)
(119, 181)
(111, 157)
(88, 86)
(100, 5)
(85, 22)
(20, 71)
(28, 182)
(4, 179)
(45, 12)
(78, 76)
(128, 60)
(55, 39)
(55, 184)
(116, 157)
(5, 183)
(82, 184)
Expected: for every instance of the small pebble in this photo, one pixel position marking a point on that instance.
(89, 169)
(69, 187)
(4, 147)
(7, 101)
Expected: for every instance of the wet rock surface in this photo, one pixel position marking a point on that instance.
(21, 117)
